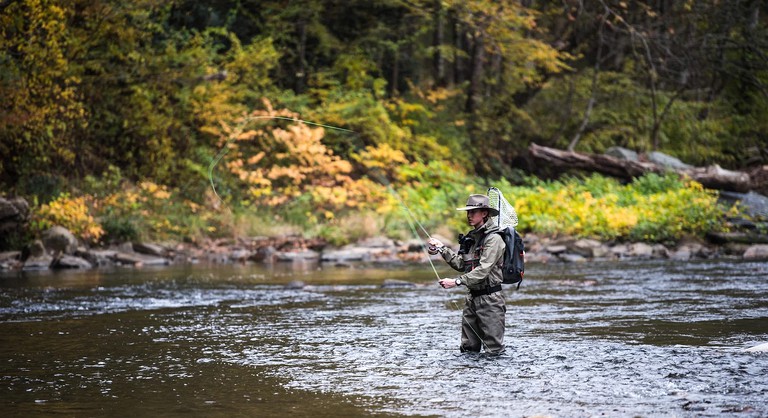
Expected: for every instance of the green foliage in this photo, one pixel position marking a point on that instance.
(653, 208)
(653, 183)
(42, 109)
(619, 116)
(115, 110)
(117, 230)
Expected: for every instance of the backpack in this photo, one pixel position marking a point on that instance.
(513, 267)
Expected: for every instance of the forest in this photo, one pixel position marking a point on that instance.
(189, 119)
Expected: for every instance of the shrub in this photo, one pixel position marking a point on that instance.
(73, 213)
(653, 208)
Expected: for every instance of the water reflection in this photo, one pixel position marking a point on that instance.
(620, 339)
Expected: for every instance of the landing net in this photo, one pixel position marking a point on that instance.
(507, 216)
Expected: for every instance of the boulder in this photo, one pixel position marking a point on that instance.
(306, 255)
(660, 251)
(42, 262)
(347, 254)
(620, 250)
(762, 348)
(393, 283)
(556, 249)
(10, 260)
(587, 248)
(414, 246)
(70, 262)
(756, 252)
(138, 260)
(125, 258)
(622, 153)
(377, 242)
(239, 254)
(59, 240)
(668, 161)
(149, 249)
(36, 248)
(682, 253)
(295, 285)
(97, 258)
(755, 205)
(571, 258)
(9, 255)
(640, 250)
(14, 213)
(537, 257)
(264, 254)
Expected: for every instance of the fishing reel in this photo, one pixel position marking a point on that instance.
(465, 244)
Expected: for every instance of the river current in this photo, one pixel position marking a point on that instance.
(618, 339)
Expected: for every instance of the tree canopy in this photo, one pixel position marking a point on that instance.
(146, 86)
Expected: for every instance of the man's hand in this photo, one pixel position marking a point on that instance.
(435, 246)
(447, 283)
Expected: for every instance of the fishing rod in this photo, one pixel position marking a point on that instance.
(410, 217)
(239, 130)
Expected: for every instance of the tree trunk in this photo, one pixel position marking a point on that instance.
(395, 73)
(439, 61)
(459, 45)
(302, 58)
(712, 177)
(593, 91)
(474, 93)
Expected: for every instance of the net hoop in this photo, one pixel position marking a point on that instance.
(507, 215)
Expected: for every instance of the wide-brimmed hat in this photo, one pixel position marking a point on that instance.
(479, 201)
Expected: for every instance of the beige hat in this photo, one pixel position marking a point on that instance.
(479, 201)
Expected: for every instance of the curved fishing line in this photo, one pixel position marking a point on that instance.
(411, 218)
(423, 247)
(239, 130)
(408, 210)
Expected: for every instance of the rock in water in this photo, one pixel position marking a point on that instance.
(762, 348)
(392, 283)
(295, 284)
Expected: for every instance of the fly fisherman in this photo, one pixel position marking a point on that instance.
(480, 257)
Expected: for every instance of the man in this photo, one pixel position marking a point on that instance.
(479, 258)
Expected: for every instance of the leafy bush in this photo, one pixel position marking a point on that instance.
(73, 213)
(653, 208)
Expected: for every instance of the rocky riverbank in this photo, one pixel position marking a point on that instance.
(59, 249)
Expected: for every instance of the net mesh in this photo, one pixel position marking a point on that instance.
(507, 215)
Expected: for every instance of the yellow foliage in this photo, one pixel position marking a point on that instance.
(71, 213)
(382, 158)
(277, 164)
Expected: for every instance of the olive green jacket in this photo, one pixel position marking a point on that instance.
(488, 272)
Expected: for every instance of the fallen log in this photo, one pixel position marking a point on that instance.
(711, 177)
(737, 237)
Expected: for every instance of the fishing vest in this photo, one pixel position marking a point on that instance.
(466, 245)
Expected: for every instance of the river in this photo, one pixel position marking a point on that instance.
(619, 339)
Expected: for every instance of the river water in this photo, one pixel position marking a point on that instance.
(620, 339)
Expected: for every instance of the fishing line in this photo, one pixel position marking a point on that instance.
(423, 247)
(408, 210)
(410, 217)
(225, 149)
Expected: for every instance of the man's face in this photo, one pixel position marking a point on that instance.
(475, 217)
